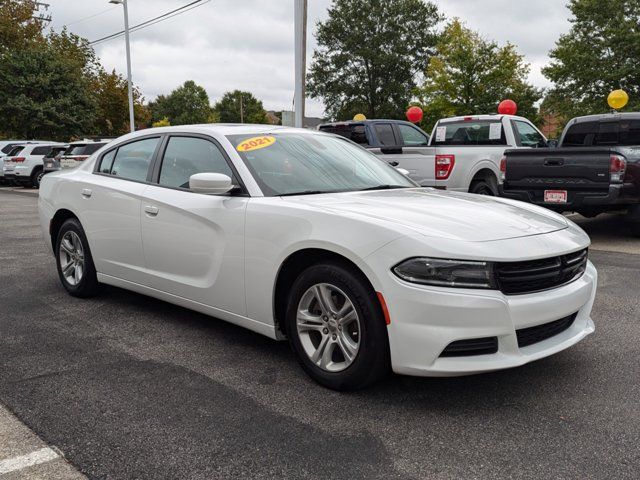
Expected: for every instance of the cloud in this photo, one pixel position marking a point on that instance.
(248, 44)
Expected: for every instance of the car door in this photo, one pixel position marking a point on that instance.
(194, 243)
(417, 156)
(110, 205)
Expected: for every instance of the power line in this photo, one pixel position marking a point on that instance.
(153, 21)
(91, 16)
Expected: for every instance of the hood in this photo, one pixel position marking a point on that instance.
(435, 213)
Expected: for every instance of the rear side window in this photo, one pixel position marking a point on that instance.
(471, 132)
(40, 150)
(186, 156)
(384, 131)
(132, 160)
(580, 134)
(107, 162)
(356, 132)
(7, 148)
(411, 136)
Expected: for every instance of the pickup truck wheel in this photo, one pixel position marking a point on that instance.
(485, 186)
(336, 327)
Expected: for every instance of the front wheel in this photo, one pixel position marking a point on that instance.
(75, 263)
(336, 327)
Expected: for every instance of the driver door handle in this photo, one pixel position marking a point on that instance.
(151, 210)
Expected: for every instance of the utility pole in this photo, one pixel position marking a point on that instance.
(44, 18)
(241, 110)
(132, 121)
(300, 31)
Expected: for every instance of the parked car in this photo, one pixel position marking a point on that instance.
(5, 148)
(74, 155)
(462, 154)
(595, 168)
(24, 165)
(300, 234)
(51, 161)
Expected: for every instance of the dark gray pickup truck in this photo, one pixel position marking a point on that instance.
(595, 168)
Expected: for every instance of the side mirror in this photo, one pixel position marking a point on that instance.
(210, 183)
(552, 143)
(393, 163)
(403, 171)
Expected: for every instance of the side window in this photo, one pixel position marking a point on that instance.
(186, 156)
(580, 134)
(133, 159)
(40, 150)
(358, 134)
(412, 136)
(384, 131)
(107, 162)
(529, 136)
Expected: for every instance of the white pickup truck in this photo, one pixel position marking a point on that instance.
(463, 154)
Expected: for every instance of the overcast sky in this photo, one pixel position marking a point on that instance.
(248, 44)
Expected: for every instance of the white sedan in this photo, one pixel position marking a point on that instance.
(306, 236)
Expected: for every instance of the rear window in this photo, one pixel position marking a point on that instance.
(471, 132)
(75, 150)
(354, 132)
(92, 148)
(15, 151)
(8, 148)
(586, 134)
(55, 151)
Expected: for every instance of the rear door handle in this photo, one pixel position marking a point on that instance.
(151, 210)
(86, 192)
(554, 162)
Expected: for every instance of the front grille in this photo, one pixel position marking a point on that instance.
(515, 278)
(529, 336)
(474, 346)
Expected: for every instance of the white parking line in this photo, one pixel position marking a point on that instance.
(23, 461)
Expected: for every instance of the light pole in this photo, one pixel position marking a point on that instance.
(300, 33)
(132, 122)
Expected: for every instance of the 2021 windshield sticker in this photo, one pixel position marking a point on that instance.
(255, 143)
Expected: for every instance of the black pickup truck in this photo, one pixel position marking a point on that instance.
(595, 168)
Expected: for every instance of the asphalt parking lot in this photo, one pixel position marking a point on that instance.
(125, 386)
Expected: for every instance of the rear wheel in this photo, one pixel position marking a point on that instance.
(484, 186)
(335, 326)
(36, 177)
(75, 263)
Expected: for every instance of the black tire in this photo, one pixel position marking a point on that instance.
(87, 285)
(372, 360)
(485, 186)
(36, 177)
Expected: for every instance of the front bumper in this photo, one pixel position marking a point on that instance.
(432, 319)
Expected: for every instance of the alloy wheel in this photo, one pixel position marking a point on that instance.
(328, 327)
(71, 256)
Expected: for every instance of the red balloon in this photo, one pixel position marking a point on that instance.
(507, 107)
(414, 114)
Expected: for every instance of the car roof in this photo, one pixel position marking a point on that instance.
(221, 129)
(362, 122)
(607, 117)
(462, 118)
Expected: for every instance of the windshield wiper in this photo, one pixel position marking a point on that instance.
(305, 192)
(383, 187)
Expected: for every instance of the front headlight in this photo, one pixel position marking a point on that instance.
(446, 273)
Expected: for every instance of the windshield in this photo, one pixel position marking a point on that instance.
(299, 163)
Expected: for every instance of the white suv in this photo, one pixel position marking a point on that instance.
(24, 164)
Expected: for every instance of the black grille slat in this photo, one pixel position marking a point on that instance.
(514, 278)
(473, 346)
(532, 335)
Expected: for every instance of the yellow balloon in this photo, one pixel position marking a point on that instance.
(618, 99)
(359, 117)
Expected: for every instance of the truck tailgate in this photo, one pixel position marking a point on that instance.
(536, 170)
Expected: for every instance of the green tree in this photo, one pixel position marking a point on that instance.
(112, 101)
(18, 28)
(240, 107)
(470, 75)
(599, 54)
(369, 55)
(187, 104)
